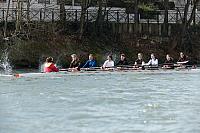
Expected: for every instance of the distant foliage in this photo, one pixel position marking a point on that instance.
(146, 7)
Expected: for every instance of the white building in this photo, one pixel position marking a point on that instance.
(33, 3)
(48, 10)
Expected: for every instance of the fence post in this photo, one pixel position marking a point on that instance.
(40, 14)
(52, 15)
(158, 23)
(128, 21)
(177, 16)
(148, 26)
(3, 15)
(117, 16)
(87, 16)
(76, 17)
(194, 18)
(107, 12)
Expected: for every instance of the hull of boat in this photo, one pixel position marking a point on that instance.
(99, 72)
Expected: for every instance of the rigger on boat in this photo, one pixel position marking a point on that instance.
(123, 64)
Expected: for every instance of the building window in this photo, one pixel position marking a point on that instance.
(44, 1)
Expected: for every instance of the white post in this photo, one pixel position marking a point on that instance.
(72, 3)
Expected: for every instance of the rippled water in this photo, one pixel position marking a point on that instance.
(101, 103)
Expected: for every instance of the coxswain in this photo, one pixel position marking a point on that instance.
(49, 66)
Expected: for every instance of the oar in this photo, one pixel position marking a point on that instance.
(182, 62)
(64, 69)
(91, 69)
(125, 66)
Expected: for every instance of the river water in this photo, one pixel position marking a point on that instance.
(105, 102)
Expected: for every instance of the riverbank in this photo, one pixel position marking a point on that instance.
(30, 50)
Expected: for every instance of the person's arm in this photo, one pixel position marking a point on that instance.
(135, 63)
(104, 64)
(86, 64)
(149, 63)
(126, 62)
(118, 63)
(54, 68)
(70, 66)
(179, 60)
(113, 64)
(79, 64)
(156, 62)
(143, 63)
(94, 63)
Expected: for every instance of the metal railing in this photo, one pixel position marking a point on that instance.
(72, 15)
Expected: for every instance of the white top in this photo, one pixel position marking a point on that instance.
(153, 62)
(108, 63)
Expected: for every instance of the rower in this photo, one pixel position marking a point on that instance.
(109, 62)
(169, 64)
(139, 61)
(183, 60)
(153, 61)
(49, 66)
(122, 61)
(91, 62)
(75, 63)
(182, 57)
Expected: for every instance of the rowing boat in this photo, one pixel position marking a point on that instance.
(85, 72)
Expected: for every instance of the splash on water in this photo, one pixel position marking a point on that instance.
(5, 63)
(41, 65)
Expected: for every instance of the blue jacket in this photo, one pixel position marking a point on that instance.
(90, 63)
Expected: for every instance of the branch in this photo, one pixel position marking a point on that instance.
(193, 12)
(186, 11)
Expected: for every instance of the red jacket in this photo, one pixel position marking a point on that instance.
(50, 67)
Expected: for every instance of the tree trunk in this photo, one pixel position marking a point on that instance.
(84, 6)
(165, 26)
(184, 23)
(28, 18)
(136, 17)
(6, 21)
(99, 19)
(180, 37)
(195, 3)
(19, 16)
(62, 14)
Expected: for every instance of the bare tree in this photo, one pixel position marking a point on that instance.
(136, 17)
(195, 3)
(85, 4)
(62, 13)
(185, 23)
(6, 21)
(165, 26)
(100, 17)
(19, 16)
